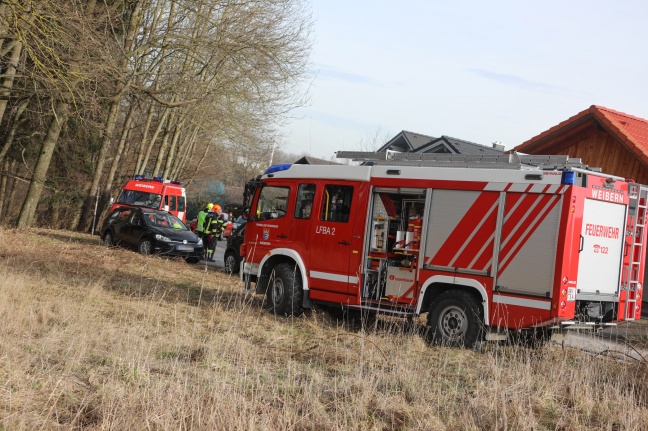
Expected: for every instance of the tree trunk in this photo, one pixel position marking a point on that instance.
(163, 146)
(11, 191)
(105, 195)
(9, 75)
(150, 145)
(26, 216)
(3, 187)
(188, 148)
(111, 120)
(88, 203)
(172, 149)
(12, 131)
(198, 166)
(143, 145)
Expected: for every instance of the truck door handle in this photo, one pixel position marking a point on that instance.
(282, 235)
(344, 243)
(582, 243)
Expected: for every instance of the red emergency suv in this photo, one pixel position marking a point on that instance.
(156, 193)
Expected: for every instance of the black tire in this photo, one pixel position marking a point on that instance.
(231, 262)
(145, 247)
(285, 293)
(455, 320)
(192, 260)
(107, 239)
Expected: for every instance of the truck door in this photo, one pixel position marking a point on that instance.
(601, 249)
(305, 218)
(270, 227)
(334, 252)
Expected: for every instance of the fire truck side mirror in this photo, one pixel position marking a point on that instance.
(111, 201)
(166, 208)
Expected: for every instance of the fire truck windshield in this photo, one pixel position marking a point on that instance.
(139, 198)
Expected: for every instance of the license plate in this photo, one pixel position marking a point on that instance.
(185, 248)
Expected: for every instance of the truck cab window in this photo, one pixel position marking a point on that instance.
(304, 205)
(272, 202)
(336, 203)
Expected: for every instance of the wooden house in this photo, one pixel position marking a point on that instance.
(600, 137)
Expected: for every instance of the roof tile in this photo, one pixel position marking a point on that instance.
(631, 130)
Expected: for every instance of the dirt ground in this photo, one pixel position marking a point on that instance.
(625, 341)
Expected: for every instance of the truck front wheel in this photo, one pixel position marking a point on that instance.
(285, 291)
(455, 320)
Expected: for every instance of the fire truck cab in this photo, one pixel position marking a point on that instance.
(156, 193)
(486, 247)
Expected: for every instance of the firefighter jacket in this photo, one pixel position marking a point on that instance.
(213, 224)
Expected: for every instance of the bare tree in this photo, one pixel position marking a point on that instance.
(170, 86)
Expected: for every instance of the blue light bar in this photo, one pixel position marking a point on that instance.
(139, 177)
(158, 179)
(176, 182)
(277, 168)
(568, 177)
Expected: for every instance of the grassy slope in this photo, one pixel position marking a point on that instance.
(106, 339)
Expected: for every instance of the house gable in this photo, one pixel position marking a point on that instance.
(405, 142)
(450, 145)
(601, 137)
(409, 142)
(308, 160)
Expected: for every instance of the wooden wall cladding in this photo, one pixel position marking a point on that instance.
(601, 150)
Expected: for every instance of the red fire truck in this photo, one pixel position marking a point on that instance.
(156, 193)
(488, 246)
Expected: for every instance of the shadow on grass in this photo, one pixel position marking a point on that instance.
(364, 321)
(126, 272)
(75, 237)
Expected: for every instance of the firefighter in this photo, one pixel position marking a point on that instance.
(221, 221)
(210, 232)
(223, 218)
(201, 219)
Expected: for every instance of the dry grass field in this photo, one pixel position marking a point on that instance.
(106, 339)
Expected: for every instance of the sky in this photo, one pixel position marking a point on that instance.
(482, 71)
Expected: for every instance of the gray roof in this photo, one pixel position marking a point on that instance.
(406, 141)
(308, 160)
(410, 142)
(448, 144)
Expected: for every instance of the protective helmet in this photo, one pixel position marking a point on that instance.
(217, 208)
(210, 206)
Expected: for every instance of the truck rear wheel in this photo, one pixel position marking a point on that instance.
(455, 320)
(285, 291)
